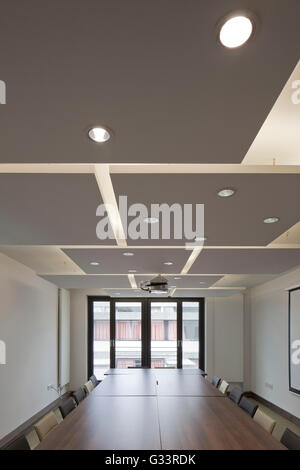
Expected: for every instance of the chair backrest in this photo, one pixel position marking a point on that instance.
(79, 395)
(216, 381)
(249, 406)
(235, 395)
(19, 444)
(67, 406)
(45, 425)
(264, 420)
(88, 386)
(290, 440)
(224, 386)
(94, 380)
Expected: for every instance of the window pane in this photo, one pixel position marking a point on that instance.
(101, 338)
(128, 334)
(190, 335)
(163, 334)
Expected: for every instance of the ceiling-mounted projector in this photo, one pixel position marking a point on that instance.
(157, 285)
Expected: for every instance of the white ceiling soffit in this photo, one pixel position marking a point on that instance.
(152, 72)
(42, 259)
(278, 141)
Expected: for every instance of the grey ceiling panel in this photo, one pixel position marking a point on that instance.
(260, 261)
(112, 261)
(49, 209)
(233, 221)
(153, 72)
(88, 282)
(186, 281)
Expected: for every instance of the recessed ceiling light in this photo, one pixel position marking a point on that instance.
(202, 282)
(200, 239)
(99, 134)
(172, 287)
(226, 192)
(177, 278)
(168, 263)
(151, 220)
(271, 220)
(235, 31)
(132, 270)
(94, 263)
(128, 254)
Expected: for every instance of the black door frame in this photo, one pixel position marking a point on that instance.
(146, 327)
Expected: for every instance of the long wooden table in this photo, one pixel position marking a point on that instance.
(163, 411)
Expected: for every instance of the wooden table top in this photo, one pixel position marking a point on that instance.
(207, 423)
(108, 423)
(140, 414)
(125, 385)
(186, 385)
(137, 371)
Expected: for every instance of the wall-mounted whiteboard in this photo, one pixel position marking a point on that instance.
(63, 337)
(294, 340)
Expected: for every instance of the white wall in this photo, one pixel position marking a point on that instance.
(64, 337)
(28, 325)
(269, 341)
(225, 337)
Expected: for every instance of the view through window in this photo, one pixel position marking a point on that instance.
(163, 334)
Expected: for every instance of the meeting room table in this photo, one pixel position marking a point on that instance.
(149, 409)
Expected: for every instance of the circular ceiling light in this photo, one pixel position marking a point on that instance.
(151, 220)
(94, 263)
(271, 220)
(132, 270)
(200, 239)
(128, 253)
(168, 263)
(235, 31)
(99, 134)
(226, 192)
(177, 278)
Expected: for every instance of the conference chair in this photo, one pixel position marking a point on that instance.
(88, 387)
(235, 395)
(216, 381)
(264, 420)
(290, 440)
(94, 380)
(224, 386)
(19, 444)
(67, 406)
(249, 406)
(79, 395)
(46, 425)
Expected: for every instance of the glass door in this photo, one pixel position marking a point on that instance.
(190, 335)
(163, 349)
(128, 342)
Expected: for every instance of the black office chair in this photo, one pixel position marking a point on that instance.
(249, 406)
(216, 381)
(79, 395)
(67, 406)
(235, 395)
(19, 444)
(290, 440)
(94, 380)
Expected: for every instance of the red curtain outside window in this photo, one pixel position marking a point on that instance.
(172, 330)
(157, 331)
(101, 330)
